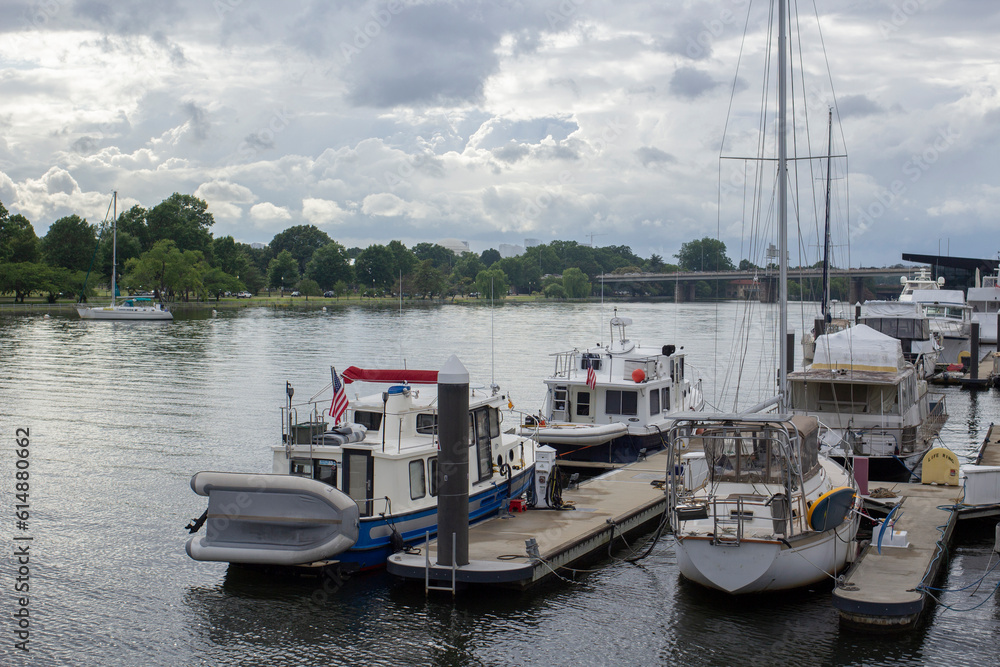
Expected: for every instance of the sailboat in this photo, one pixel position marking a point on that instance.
(130, 308)
(753, 504)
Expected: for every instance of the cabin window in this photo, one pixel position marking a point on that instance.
(432, 473)
(418, 486)
(590, 360)
(559, 399)
(427, 424)
(654, 402)
(370, 420)
(325, 471)
(665, 401)
(583, 404)
(479, 436)
(301, 468)
(621, 402)
(494, 423)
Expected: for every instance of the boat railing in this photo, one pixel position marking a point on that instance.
(297, 432)
(565, 363)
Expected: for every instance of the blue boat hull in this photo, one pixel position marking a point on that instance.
(374, 543)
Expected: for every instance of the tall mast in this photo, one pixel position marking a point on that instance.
(114, 246)
(825, 309)
(782, 217)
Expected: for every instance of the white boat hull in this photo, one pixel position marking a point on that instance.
(575, 434)
(758, 566)
(124, 313)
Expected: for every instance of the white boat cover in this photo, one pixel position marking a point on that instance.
(901, 309)
(859, 348)
(943, 296)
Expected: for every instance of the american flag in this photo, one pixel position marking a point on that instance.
(338, 406)
(591, 378)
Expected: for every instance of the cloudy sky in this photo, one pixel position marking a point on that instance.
(492, 122)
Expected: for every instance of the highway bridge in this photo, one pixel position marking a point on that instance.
(761, 283)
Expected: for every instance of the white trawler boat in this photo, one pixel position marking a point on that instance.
(361, 490)
(984, 299)
(132, 308)
(871, 400)
(950, 318)
(606, 405)
(906, 322)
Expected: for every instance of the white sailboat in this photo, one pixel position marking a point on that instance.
(130, 308)
(753, 505)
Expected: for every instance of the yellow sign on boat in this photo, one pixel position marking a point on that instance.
(940, 466)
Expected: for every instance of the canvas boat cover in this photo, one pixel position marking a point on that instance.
(900, 309)
(859, 348)
(943, 296)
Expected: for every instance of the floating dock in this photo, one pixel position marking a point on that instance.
(886, 587)
(618, 504)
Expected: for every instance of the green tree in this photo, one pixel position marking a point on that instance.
(24, 278)
(217, 282)
(18, 242)
(428, 279)
(490, 257)
(329, 265)
(575, 283)
(555, 291)
(492, 281)
(706, 254)
(156, 269)
(301, 241)
(442, 258)
(405, 260)
(128, 247)
(467, 266)
(70, 243)
(283, 271)
(133, 223)
(252, 279)
(655, 264)
(308, 287)
(185, 220)
(375, 268)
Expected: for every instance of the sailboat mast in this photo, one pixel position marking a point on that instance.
(114, 246)
(825, 309)
(782, 217)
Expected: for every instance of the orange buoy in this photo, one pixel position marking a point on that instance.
(638, 375)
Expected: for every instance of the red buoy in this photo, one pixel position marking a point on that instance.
(638, 375)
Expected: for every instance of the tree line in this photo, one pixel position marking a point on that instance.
(170, 250)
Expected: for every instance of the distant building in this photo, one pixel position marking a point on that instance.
(258, 245)
(456, 246)
(509, 250)
(531, 243)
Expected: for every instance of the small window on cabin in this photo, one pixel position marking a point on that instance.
(583, 404)
(621, 402)
(665, 401)
(559, 399)
(370, 420)
(427, 423)
(432, 472)
(654, 403)
(325, 471)
(418, 487)
(494, 423)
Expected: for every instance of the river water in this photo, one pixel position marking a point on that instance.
(121, 415)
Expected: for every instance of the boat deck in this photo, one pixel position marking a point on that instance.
(621, 502)
(884, 588)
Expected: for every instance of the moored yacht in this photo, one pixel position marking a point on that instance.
(871, 401)
(984, 299)
(950, 318)
(606, 405)
(363, 489)
(921, 281)
(906, 322)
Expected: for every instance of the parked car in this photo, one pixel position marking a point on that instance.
(295, 293)
(243, 295)
(328, 294)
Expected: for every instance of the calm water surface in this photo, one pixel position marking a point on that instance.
(121, 415)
